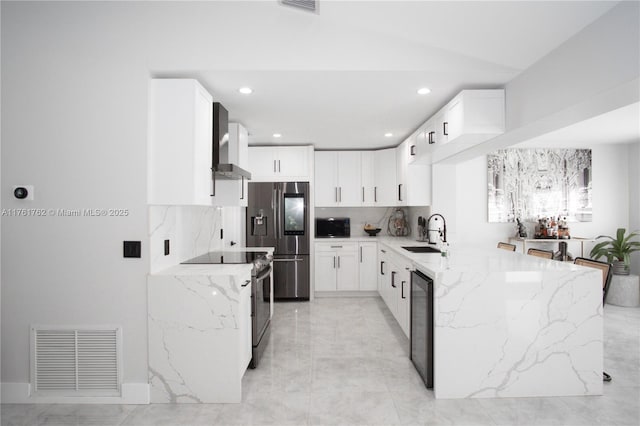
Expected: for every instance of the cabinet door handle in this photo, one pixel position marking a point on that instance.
(278, 166)
(363, 194)
(445, 128)
(242, 190)
(334, 262)
(382, 267)
(393, 279)
(335, 193)
(338, 261)
(340, 193)
(375, 194)
(412, 150)
(431, 139)
(336, 246)
(360, 254)
(399, 192)
(246, 283)
(274, 166)
(402, 289)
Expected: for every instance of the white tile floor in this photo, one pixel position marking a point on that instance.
(344, 361)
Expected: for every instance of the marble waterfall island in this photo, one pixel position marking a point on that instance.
(199, 333)
(512, 325)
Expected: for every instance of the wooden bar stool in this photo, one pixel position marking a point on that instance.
(607, 273)
(506, 246)
(545, 254)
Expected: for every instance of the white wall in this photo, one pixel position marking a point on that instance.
(74, 125)
(634, 199)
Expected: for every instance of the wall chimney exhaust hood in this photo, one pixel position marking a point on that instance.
(224, 167)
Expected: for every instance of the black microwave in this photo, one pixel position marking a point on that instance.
(333, 227)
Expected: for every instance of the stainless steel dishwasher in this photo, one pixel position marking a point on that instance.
(421, 342)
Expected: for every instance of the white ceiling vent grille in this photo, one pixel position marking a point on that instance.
(76, 361)
(309, 5)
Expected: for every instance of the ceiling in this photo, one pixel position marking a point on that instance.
(343, 78)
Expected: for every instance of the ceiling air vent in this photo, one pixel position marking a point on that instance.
(308, 5)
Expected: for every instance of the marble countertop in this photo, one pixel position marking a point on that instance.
(470, 259)
(238, 270)
(507, 324)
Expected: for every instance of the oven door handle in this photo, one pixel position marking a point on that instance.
(288, 260)
(265, 274)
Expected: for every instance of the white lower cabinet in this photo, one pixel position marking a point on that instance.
(394, 286)
(336, 267)
(403, 288)
(368, 253)
(384, 275)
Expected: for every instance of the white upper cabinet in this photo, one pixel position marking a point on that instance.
(280, 163)
(368, 177)
(474, 116)
(326, 179)
(401, 172)
(441, 128)
(233, 192)
(337, 179)
(349, 179)
(385, 190)
(413, 180)
(180, 143)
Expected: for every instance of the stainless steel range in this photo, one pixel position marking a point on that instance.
(260, 291)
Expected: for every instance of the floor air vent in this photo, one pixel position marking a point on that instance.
(309, 5)
(76, 362)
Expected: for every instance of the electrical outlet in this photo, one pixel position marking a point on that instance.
(166, 247)
(132, 248)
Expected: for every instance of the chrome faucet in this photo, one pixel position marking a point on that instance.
(442, 232)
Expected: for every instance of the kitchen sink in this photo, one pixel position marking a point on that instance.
(421, 249)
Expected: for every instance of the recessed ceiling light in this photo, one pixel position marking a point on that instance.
(245, 90)
(424, 91)
(388, 135)
(277, 135)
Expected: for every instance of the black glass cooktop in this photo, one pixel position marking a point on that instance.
(217, 257)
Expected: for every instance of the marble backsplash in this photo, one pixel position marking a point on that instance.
(377, 216)
(191, 231)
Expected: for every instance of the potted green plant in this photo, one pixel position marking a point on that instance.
(617, 250)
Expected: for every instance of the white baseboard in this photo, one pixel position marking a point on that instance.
(20, 393)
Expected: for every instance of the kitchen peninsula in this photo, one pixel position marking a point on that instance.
(511, 325)
(200, 318)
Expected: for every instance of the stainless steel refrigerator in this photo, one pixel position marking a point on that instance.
(278, 216)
